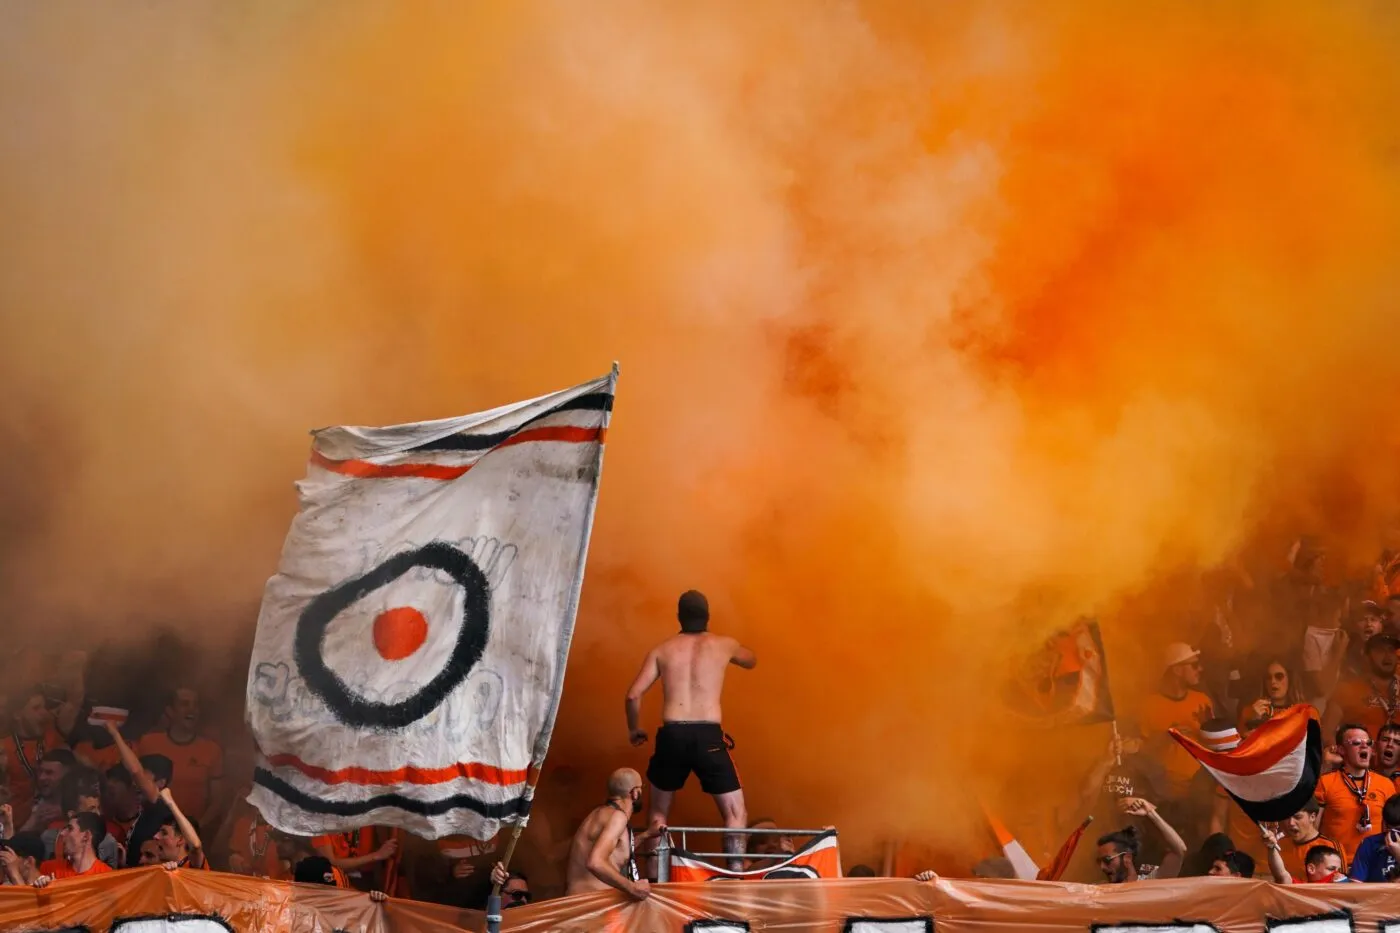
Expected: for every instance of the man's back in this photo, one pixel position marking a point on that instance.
(692, 675)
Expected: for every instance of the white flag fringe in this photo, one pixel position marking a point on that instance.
(411, 649)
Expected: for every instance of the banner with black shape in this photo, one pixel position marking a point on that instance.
(410, 650)
(820, 857)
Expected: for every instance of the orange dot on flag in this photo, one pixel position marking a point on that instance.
(399, 632)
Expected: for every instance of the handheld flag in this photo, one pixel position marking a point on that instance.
(1058, 867)
(410, 650)
(1065, 681)
(1016, 854)
(1272, 773)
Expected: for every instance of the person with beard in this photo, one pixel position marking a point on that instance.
(1279, 689)
(1352, 796)
(1119, 851)
(604, 851)
(1370, 701)
(1386, 761)
(1177, 704)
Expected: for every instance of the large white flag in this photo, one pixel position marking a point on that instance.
(410, 650)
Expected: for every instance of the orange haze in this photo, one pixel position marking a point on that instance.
(938, 322)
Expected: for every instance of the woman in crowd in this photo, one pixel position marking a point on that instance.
(1278, 690)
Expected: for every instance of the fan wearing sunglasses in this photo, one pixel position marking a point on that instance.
(1118, 851)
(1352, 796)
(515, 887)
(1179, 704)
(1278, 690)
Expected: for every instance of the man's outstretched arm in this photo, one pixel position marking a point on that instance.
(651, 670)
(743, 657)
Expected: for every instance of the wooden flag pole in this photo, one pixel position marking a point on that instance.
(493, 903)
(391, 867)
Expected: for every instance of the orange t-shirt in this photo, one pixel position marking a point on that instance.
(1362, 704)
(59, 868)
(1341, 809)
(99, 758)
(1295, 854)
(22, 758)
(1158, 714)
(353, 844)
(196, 764)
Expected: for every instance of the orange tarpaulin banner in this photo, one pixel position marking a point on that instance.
(151, 900)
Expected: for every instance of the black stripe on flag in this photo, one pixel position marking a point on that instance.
(593, 401)
(517, 806)
(1281, 808)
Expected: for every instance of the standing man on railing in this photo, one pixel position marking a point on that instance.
(691, 668)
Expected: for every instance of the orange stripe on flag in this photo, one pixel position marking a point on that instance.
(1004, 837)
(489, 774)
(1265, 747)
(363, 469)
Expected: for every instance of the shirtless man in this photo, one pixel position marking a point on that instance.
(691, 669)
(603, 853)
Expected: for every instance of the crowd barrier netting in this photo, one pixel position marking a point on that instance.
(152, 900)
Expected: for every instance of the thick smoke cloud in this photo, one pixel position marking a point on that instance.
(939, 323)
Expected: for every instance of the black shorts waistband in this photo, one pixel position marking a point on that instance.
(689, 722)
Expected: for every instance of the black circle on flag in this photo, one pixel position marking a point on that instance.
(471, 638)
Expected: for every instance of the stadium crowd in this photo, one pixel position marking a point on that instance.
(88, 788)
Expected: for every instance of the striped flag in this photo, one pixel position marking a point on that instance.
(410, 650)
(1016, 854)
(101, 715)
(1273, 772)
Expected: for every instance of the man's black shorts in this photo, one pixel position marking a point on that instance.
(702, 747)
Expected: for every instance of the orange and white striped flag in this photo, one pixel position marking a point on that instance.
(1021, 861)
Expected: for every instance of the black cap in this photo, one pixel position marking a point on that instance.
(1382, 640)
(314, 869)
(25, 845)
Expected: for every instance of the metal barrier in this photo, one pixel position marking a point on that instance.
(664, 847)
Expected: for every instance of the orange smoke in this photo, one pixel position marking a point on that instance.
(937, 323)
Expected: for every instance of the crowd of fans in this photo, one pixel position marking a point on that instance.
(83, 790)
(1326, 644)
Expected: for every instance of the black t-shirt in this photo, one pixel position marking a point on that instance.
(153, 816)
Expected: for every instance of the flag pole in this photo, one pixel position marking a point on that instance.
(493, 901)
(1118, 755)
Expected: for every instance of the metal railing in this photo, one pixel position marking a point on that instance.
(664, 846)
